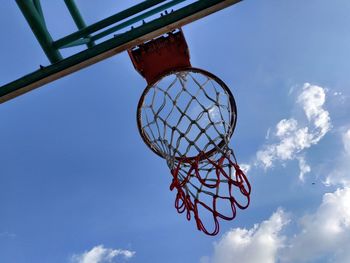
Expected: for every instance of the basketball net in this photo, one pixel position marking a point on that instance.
(187, 116)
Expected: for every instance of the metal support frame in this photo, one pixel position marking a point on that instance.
(108, 22)
(33, 14)
(130, 37)
(78, 19)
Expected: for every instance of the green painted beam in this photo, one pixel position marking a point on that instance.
(79, 42)
(78, 19)
(37, 5)
(38, 26)
(113, 46)
(107, 22)
(136, 19)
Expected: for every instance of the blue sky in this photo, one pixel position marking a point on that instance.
(77, 183)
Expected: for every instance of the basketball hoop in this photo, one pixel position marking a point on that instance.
(187, 116)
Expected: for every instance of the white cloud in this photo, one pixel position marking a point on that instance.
(245, 167)
(321, 235)
(267, 136)
(292, 138)
(312, 100)
(341, 174)
(324, 234)
(286, 127)
(304, 168)
(259, 244)
(338, 177)
(100, 254)
(346, 141)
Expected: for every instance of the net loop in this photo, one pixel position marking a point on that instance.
(189, 201)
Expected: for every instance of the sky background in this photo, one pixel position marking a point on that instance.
(77, 183)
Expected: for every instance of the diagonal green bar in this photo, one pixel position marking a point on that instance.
(79, 42)
(37, 5)
(37, 24)
(78, 19)
(136, 19)
(107, 22)
(113, 46)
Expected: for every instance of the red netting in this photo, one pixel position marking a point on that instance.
(193, 178)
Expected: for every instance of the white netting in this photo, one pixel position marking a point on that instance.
(187, 113)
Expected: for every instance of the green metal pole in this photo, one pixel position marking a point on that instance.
(37, 24)
(136, 19)
(107, 22)
(78, 19)
(37, 5)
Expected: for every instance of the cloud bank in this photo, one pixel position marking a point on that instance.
(292, 138)
(258, 244)
(319, 236)
(341, 173)
(325, 233)
(100, 254)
